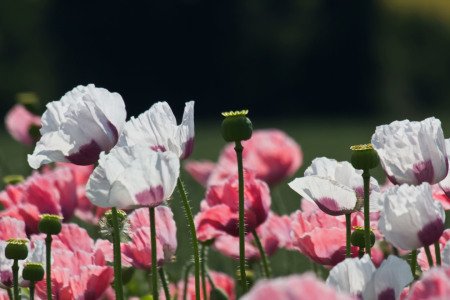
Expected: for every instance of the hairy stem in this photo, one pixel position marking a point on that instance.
(15, 269)
(190, 218)
(203, 271)
(366, 179)
(429, 257)
(48, 265)
(348, 224)
(162, 276)
(154, 258)
(413, 262)
(117, 256)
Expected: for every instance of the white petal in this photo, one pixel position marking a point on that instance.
(331, 196)
(390, 278)
(352, 274)
(446, 254)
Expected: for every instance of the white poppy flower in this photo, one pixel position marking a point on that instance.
(157, 128)
(388, 280)
(446, 254)
(343, 172)
(412, 152)
(75, 129)
(352, 275)
(332, 197)
(444, 184)
(133, 176)
(410, 218)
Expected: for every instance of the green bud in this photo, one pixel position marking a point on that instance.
(364, 157)
(357, 237)
(33, 272)
(218, 294)
(30, 100)
(236, 126)
(16, 249)
(50, 224)
(13, 179)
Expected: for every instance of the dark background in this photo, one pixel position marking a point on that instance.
(277, 58)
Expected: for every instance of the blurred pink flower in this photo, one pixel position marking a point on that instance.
(54, 192)
(11, 228)
(432, 285)
(412, 152)
(137, 252)
(299, 287)
(84, 122)
(18, 122)
(422, 258)
(79, 267)
(219, 211)
(274, 234)
(157, 129)
(271, 153)
(136, 176)
(221, 280)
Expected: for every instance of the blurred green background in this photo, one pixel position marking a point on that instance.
(325, 72)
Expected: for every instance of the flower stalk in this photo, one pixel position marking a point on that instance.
(437, 251)
(162, 276)
(413, 263)
(429, 257)
(263, 255)
(242, 228)
(203, 270)
(190, 218)
(154, 258)
(348, 225)
(117, 256)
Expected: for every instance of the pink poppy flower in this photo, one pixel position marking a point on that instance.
(200, 170)
(422, 258)
(274, 234)
(271, 153)
(221, 280)
(11, 228)
(220, 210)
(50, 193)
(136, 176)
(299, 287)
(75, 129)
(18, 122)
(410, 218)
(157, 129)
(137, 252)
(412, 152)
(432, 285)
(79, 267)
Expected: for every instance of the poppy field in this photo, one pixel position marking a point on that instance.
(232, 208)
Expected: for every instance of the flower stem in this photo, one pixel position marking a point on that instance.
(429, 257)
(117, 256)
(15, 269)
(48, 265)
(203, 271)
(238, 148)
(263, 254)
(154, 259)
(186, 278)
(32, 290)
(348, 224)
(413, 262)
(437, 251)
(10, 294)
(366, 179)
(188, 211)
(162, 276)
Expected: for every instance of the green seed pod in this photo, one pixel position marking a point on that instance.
(33, 272)
(236, 126)
(357, 237)
(16, 249)
(31, 102)
(50, 224)
(218, 294)
(364, 157)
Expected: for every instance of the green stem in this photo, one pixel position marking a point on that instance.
(48, 265)
(154, 259)
(238, 148)
(15, 269)
(413, 262)
(203, 271)
(395, 250)
(429, 257)
(190, 218)
(263, 254)
(316, 270)
(348, 224)
(437, 251)
(360, 252)
(117, 256)
(162, 276)
(366, 179)
(211, 282)
(10, 294)
(31, 290)
(186, 279)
